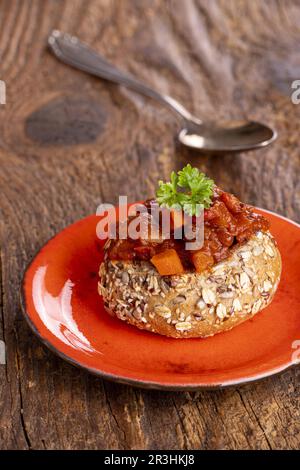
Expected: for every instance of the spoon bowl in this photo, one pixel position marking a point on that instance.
(229, 136)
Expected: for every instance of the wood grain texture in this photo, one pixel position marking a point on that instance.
(69, 142)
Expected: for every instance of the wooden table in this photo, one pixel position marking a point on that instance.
(69, 142)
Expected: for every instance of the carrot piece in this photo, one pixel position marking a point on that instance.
(202, 261)
(177, 218)
(167, 263)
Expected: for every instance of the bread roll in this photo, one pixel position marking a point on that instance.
(194, 305)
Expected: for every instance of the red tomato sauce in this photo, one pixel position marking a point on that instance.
(227, 223)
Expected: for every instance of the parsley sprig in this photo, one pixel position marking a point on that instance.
(188, 190)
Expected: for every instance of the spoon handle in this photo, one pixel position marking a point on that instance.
(73, 52)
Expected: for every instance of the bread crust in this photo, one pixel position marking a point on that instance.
(194, 305)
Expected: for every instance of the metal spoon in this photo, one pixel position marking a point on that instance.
(230, 136)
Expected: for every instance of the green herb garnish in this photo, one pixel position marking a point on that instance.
(188, 190)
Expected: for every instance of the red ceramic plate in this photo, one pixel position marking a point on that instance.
(61, 304)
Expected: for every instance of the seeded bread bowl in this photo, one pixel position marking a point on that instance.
(194, 304)
(164, 285)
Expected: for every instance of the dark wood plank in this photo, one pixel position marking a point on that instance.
(69, 142)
